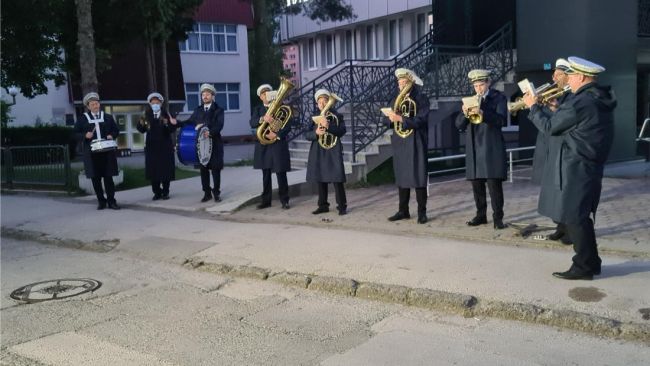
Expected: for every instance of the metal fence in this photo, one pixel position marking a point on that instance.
(512, 160)
(42, 166)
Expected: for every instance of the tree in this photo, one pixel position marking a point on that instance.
(31, 52)
(265, 55)
(86, 44)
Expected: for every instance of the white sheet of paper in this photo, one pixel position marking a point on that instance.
(386, 111)
(526, 87)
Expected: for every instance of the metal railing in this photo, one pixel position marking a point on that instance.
(511, 163)
(47, 165)
(366, 86)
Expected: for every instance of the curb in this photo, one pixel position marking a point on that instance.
(100, 246)
(456, 303)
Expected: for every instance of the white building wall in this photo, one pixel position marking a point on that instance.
(50, 108)
(223, 68)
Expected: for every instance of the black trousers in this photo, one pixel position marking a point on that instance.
(339, 191)
(267, 186)
(160, 187)
(586, 259)
(205, 180)
(496, 197)
(99, 190)
(420, 197)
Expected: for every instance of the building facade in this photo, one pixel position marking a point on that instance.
(291, 62)
(380, 31)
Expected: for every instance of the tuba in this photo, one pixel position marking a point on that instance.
(327, 140)
(281, 114)
(406, 107)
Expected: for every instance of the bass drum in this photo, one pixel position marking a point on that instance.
(192, 147)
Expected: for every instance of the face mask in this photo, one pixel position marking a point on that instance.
(155, 108)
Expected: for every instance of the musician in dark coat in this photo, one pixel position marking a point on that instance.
(209, 114)
(410, 150)
(485, 152)
(98, 165)
(571, 186)
(560, 78)
(159, 126)
(325, 164)
(271, 158)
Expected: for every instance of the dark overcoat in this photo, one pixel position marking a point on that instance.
(326, 165)
(485, 152)
(581, 136)
(541, 146)
(99, 164)
(159, 146)
(213, 119)
(276, 155)
(410, 153)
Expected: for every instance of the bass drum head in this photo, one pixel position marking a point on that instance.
(186, 146)
(204, 146)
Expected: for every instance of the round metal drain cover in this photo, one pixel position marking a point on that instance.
(55, 289)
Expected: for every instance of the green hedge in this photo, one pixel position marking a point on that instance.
(42, 135)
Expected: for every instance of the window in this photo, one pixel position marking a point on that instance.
(394, 36)
(371, 42)
(350, 45)
(330, 55)
(311, 54)
(211, 38)
(227, 96)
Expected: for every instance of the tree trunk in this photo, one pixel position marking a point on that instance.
(86, 44)
(163, 69)
(149, 62)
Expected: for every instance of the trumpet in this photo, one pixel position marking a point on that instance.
(545, 93)
(473, 105)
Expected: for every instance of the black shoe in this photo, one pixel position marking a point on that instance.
(477, 220)
(285, 206)
(217, 198)
(498, 224)
(571, 275)
(320, 210)
(206, 197)
(101, 205)
(422, 219)
(263, 206)
(343, 211)
(165, 196)
(113, 206)
(399, 216)
(156, 197)
(557, 235)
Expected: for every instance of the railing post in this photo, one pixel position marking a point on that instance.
(67, 169)
(352, 119)
(436, 71)
(511, 167)
(10, 168)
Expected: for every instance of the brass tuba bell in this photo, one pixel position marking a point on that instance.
(281, 114)
(406, 107)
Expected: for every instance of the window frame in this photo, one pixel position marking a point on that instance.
(194, 92)
(216, 30)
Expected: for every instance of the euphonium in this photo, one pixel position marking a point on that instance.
(281, 114)
(327, 140)
(406, 107)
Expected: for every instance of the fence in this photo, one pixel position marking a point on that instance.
(511, 162)
(43, 166)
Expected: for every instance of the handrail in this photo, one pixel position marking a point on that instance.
(511, 162)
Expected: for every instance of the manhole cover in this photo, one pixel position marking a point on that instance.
(55, 289)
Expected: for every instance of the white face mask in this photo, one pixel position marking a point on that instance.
(155, 108)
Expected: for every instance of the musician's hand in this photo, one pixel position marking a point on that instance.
(529, 100)
(206, 134)
(267, 119)
(465, 109)
(394, 117)
(271, 135)
(197, 127)
(109, 137)
(172, 120)
(325, 123)
(89, 135)
(320, 131)
(553, 105)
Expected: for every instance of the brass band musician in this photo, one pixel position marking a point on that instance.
(409, 117)
(485, 153)
(325, 163)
